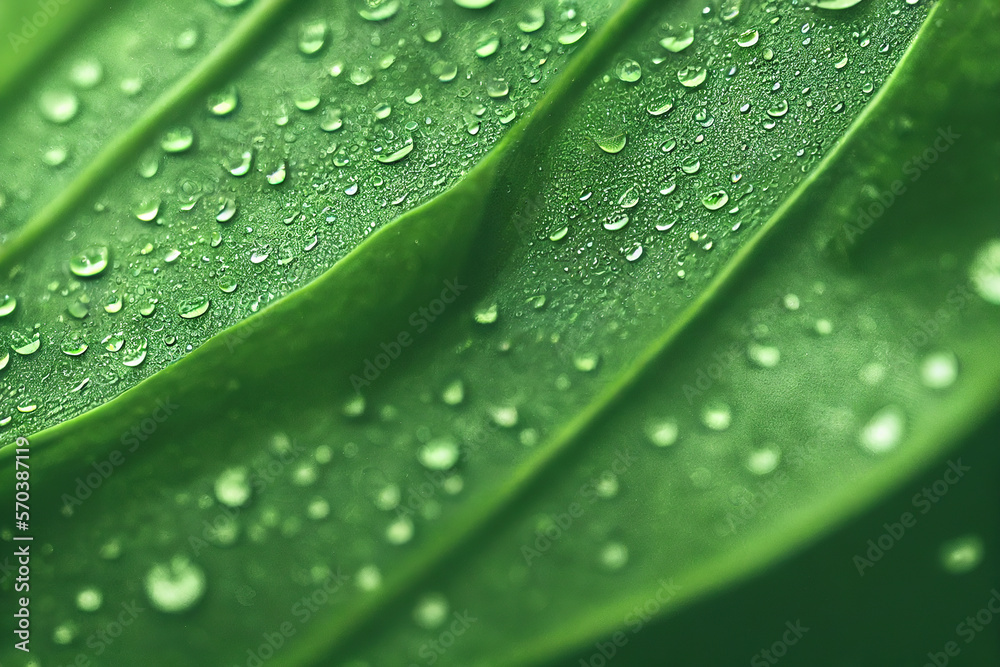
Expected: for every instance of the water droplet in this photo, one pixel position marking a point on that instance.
(691, 165)
(497, 88)
(717, 416)
(147, 210)
(585, 362)
(763, 356)
(187, 39)
(232, 487)
(90, 262)
(318, 509)
(400, 531)
(177, 139)
(59, 106)
(939, 370)
(486, 314)
(439, 454)
(193, 307)
(764, 460)
(659, 108)
(715, 200)
(368, 578)
(883, 431)
(836, 4)
(634, 253)
(134, 356)
(89, 599)
(692, 76)
(55, 156)
(985, 272)
(73, 346)
(378, 10)
(396, 155)
(612, 143)
(614, 556)
(678, 39)
(223, 102)
(663, 433)
(628, 71)
(474, 4)
(559, 234)
(963, 554)
(239, 164)
(7, 305)
(778, 109)
(791, 301)
(312, 36)
(748, 38)
(86, 73)
(505, 416)
(572, 35)
(176, 586)
(616, 222)
(444, 71)
(277, 176)
(487, 44)
(226, 210)
(113, 342)
(531, 20)
(454, 393)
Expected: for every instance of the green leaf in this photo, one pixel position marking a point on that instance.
(579, 364)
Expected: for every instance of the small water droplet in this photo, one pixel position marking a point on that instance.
(532, 19)
(232, 487)
(89, 599)
(454, 393)
(764, 460)
(663, 433)
(939, 370)
(486, 314)
(614, 556)
(692, 76)
(678, 38)
(378, 10)
(717, 416)
(715, 199)
(748, 38)
(7, 305)
(176, 586)
(763, 356)
(963, 554)
(883, 431)
(439, 454)
(193, 307)
(432, 609)
(611, 143)
(223, 102)
(984, 272)
(59, 106)
(400, 531)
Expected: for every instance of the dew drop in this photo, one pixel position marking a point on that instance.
(984, 272)
(59, 106)
(939, 370)
(717, 416)
(176, 586)
(193, 307)
(715, 200)
(396, 155)
(883, 431)
(628, 71)
(7, 305)
(400, 531)
(439, 454)
(486, 314)
(89, 599)
(223, 102)
(378, 10)
(663, 433)
(963, 554)
(585, 362)
(454, 393)
(614, 556)
(312, 37)
(692, 77)
(612, 143)
(678, 38)
(232, 487)
(748, 38)
(531, 20)
(432, 609)
(177, 139)
(764, 460)
(91, 262)
(763, 356)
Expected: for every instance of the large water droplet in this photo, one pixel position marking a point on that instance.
(177, 139)
(223, 102)
(692, 77)
(312, 36)
(628, 71)
(474, 4)
(89, 599)
(193, 307)
(663, 433)
(7, 305)
(232, 487)
(963, 554)
(715, 199)
(90, 262)
(717, 416)
(378, 10)
(678, 39)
